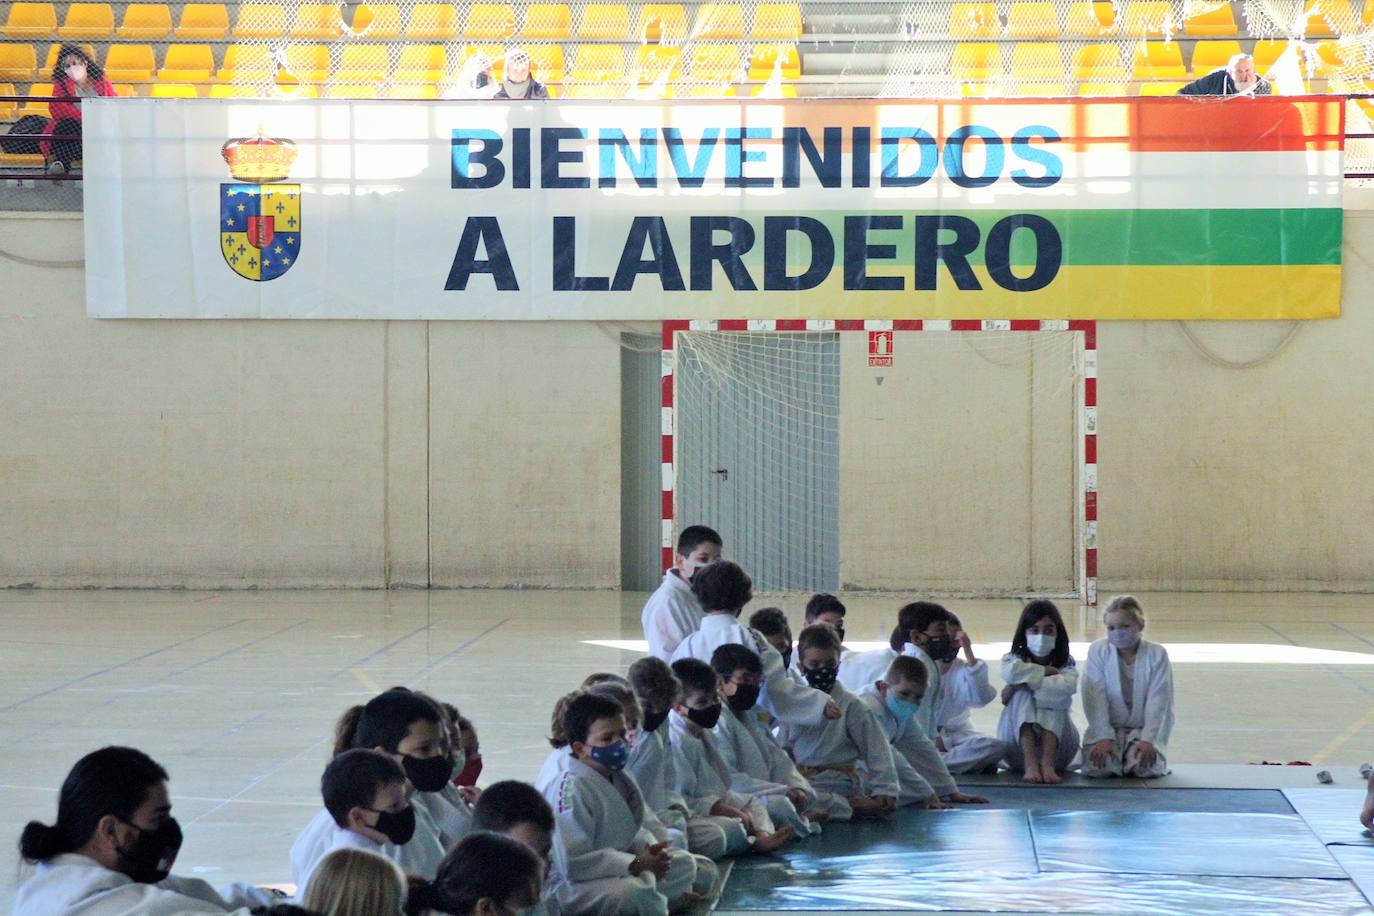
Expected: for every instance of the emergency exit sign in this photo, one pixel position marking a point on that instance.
(880, 348)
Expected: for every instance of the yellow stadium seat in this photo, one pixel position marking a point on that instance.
(7, 107)
(376, 22)
(432, 21)
(124, 90)
(656, 63)
(174, 91)
(661, 23)
(974, 20)
(17, 62)
(1161, 88)
(768, 60)
(187, 63)
(317, 20)
(203, 21)
(1367, 15)
(30, 20)
(130, 64)
(225, 91)
(51, 60)
(604, 22)
(413, 91)
(718, 20)
(245, 63)
(1037, 60)
(490, 20)
(716, 62)
(1327, 58)
(778, 21)
(1101, 90)
(1091, 18)
(351, 91)
(145, 22)
(1213, 55)
(598, 62)
(1149, 18)
(1032, 19)
(88, 20)
(1039, 90)
(1158, 60)
(1209, 19)
(1328, 17)
(363, 64)
(976, 61)
(547, 20)
(493, 52)
(706, 91)
(1098, 62)
(595, 90)
(260, 20)
(1266, 52)
(308, 63)
(422, 64)
(546, 63)
(36, 101)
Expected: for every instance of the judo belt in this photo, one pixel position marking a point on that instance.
(848, 769)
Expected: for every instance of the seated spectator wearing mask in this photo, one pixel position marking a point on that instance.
(517, 82)
(1237, 78)
(74, 76)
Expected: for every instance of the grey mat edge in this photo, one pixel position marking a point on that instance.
(1195, 776)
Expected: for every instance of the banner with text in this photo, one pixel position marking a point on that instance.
(1150, 208)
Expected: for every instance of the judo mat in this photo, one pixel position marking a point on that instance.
(1078, 850)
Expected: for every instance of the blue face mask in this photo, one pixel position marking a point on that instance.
(613, 757)
(902, 710)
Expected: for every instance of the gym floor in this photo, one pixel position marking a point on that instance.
(236, 693)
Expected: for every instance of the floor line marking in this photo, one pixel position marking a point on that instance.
(1338, 742)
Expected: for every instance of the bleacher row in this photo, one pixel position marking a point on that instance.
(604, 50)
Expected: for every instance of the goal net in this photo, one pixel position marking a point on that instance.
(935, 457)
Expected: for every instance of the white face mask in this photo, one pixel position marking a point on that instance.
(77, 72)
(1040, 644)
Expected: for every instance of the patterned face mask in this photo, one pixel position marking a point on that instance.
(823, 679)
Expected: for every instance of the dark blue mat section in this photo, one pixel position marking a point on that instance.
(1238, 801)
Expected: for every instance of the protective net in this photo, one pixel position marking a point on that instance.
(823, 470)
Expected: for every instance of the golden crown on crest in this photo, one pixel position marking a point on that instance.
(259, 158)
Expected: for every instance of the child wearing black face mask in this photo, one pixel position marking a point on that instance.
(113, 847)
(365, 795)
(964, 686)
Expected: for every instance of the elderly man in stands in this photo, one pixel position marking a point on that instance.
(1238, 77)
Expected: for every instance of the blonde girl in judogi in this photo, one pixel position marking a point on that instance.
(1128, 697)
(1036, 729)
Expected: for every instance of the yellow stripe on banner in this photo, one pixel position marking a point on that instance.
(1205, 293)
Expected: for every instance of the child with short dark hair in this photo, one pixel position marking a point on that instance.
(772, 623)
(517, 810)
(484, 875)
(849, 756)
(825, 608)
(1036, 728)
(365, 794)
(963, 687)
(673, 613)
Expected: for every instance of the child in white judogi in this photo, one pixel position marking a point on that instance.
(850, 756)
(605, 861)
(723, 589)
(672, 612)
(964, 687)
(1036, 728)
(1128, 697)
(921, 632)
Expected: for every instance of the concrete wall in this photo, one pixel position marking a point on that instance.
(359, 454)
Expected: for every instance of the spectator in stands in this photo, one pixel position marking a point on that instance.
(74, 76)
(517, 82)
(1238, 77)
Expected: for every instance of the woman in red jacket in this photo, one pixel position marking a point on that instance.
(74, 76)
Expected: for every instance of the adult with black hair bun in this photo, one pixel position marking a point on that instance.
(112, 848)
(75, 76)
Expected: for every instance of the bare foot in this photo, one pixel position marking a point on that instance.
(772, 842)
(1052, 778)
(866, 807)
(1033, 774)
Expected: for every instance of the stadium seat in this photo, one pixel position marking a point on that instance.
(225, 91)
(715, 63)
(7, 107)
(661, 23)
(413, 91)
(1367, 15)
(547, 20)
(974, 20)
(598, 62)
(245, 63)
(351, 91)
(145, 22)
(490, 20)
(1212, 55)
(976, 61)
(437, 21)
(1266, 52)
(260, 20)
(35, 101)
(54, 49)
(30, 20)
(766, 60)
(1328, 18)
(317, 20)
(422, 64)
(187, 63)
(1098, 62)
(1149, 18)
(203, 21)
(1158, 60)
(782, 21)
(595, 90)
(308, 63)
(493, 52)
(363, 64)
(718, 21)
(130, 64)
(546, 63)
(1032, 19)
(1091, 18)
(376, 22)
(1037, 61)
(656, 64)
(1215, 21)
(174, 91)
(604, 22)
(1327, 58)
(1161, 88)
(88, 20)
